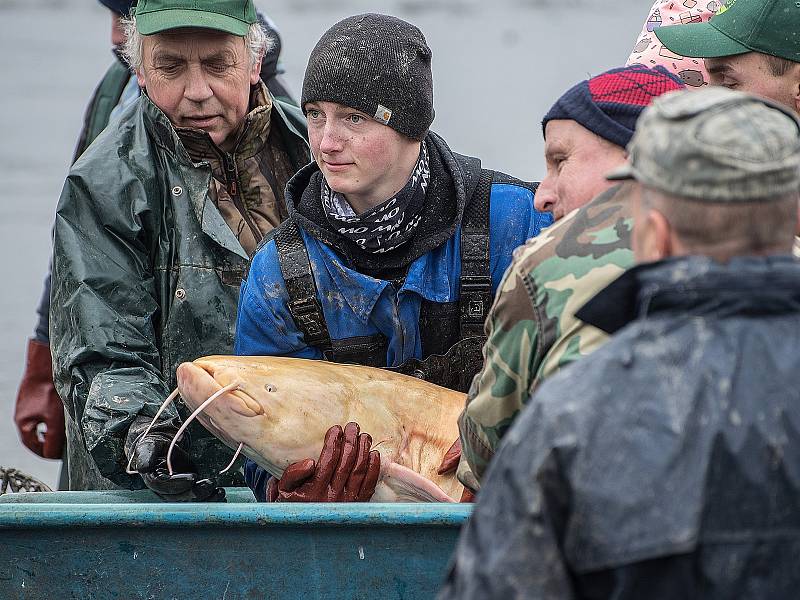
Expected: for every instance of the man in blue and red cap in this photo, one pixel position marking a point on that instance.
(587, 129)
(532, 329)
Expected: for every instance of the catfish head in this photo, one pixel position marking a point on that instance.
(279, 413)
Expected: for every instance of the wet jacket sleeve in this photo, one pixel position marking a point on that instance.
(502, 387)
(104, 320)
(42, 331)
(511, 547)
(512, 220)
(264, 326)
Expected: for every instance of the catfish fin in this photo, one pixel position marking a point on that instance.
(410, 486)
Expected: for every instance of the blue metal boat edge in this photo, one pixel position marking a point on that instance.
(122, 544)
(51, 516)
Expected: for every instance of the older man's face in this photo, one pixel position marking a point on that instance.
(577, 164)
(200, 78)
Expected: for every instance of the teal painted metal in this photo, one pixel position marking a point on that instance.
(74, 545)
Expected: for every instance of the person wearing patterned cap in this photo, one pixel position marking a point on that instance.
(532, 330)
(664, 465)
(748, 45)
(394, 245)
(649, 51)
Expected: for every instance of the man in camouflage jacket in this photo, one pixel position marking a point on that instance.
(532, 330)
(663, 465)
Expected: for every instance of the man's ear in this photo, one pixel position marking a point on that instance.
(662, 240)
(140, 77)
(255, 70)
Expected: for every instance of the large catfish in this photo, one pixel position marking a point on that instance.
(280, 408)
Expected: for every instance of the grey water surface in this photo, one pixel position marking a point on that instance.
(498, 66)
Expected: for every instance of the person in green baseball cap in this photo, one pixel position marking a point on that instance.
(154, 231)
(749, 45)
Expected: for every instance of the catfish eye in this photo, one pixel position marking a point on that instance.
(270, 388)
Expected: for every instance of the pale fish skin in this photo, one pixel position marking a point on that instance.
(283, 407)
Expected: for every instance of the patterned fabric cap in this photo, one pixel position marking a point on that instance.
(650, 52)
(716, 145)
(609, 104)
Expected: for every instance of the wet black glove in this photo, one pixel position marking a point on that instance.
(148, 456)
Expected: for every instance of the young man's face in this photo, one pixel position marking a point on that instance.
(577, 164)
(751, 73)
(364, 160)
(200, 78)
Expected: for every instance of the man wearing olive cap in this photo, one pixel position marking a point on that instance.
(154, 231)
(664, 465)
(750, 46)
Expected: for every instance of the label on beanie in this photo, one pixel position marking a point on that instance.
(383, 114)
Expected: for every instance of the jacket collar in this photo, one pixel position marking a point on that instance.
(196, 178)
(252, 137)
(696, 286)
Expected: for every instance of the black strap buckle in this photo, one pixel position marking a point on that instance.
(476, 292)
(305, 312)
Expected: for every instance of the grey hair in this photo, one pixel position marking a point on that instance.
(257, 41)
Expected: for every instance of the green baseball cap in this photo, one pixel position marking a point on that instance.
(766, 26)
(230, 16)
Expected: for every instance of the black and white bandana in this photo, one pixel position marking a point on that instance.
(390, 224)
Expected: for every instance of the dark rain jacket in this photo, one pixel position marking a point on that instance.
(664, 465)
(146, 275)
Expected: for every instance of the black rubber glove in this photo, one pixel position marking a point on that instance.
(148, 456)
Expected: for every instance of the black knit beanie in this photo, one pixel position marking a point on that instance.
(377, 64)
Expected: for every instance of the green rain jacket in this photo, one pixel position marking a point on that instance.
(146, 275)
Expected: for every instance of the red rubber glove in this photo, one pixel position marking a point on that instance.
(38, 402)
(347, 471)
(450, 464)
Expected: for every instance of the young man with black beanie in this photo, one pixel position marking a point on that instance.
(394, 245)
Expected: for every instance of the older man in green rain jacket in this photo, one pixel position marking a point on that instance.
(153, 233)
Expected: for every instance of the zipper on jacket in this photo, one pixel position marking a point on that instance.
(232, 184)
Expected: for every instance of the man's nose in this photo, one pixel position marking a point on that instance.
(197, 88)
(545, 198)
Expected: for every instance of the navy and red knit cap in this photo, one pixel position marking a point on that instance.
(609, 104)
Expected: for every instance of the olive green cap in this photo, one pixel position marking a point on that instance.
(230, 16)
(766, 26)
(715, 145)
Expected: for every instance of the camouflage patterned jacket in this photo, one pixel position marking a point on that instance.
(532, 330)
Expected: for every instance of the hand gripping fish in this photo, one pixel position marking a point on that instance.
(276, 411)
